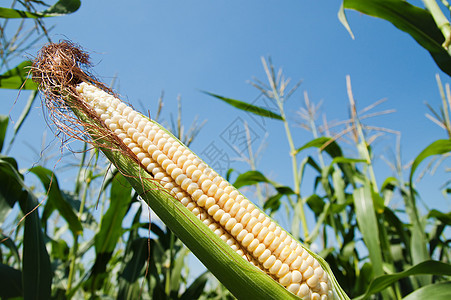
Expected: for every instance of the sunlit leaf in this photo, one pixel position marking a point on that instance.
(11, 188)
(63, 7)
(427, 267)
(26, 110)
(3, 126)
(316, 203)
(437, 291)
(8, 243)
(272, 203)
(10, 13)
(413, 20)
(436, 148)
(444, 218)
(51, 186)
(249, 178)
(344, 21)
(60, 8)
(10, 282)
(419, 240)
(248, 107)
(134, 267)
(17, 78)
(368, 225)
(254, 177)
(176, 270)
(326, 144)
(110, 227)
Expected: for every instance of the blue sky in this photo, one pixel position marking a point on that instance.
(183, 47)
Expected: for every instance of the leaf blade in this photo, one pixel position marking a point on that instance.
(427, 267)
(17, 77)
(260, 111)
(415, 21)
(60, 8)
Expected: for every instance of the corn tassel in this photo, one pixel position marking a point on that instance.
(210, 198)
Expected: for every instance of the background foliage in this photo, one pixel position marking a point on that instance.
(90, 241)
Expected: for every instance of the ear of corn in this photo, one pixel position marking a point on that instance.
(248, 252)
(241, 279)
(212, 200)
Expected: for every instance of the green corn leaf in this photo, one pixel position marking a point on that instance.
(311, 162)
(163, 237)
(444, 218)
(17, 77)
(60, 8)
(316, 203)
(36, 269)
(60, 250)
(8, 243)
(319, 222)
(11, 188)
(344, 21)
(325, 143)
(253, 177)
(387, 189)
(419, 240)
(343, 162)
(176, 270)
(137, 263)
(249, 178)
(111, 223)
(56, 198)
(10, 13)
(37, 272)
(3, 126)
(437, 291)
(415, 21)
(134, 266)
(10, 282)
(392, 219)
(273, 203)
(427, 267)
(368, 225)
(333, 149)
(110, 229)
(436, 148)
(247, 107)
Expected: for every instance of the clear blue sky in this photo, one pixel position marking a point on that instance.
(183, 47)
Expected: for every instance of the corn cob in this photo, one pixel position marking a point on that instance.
(210, 198)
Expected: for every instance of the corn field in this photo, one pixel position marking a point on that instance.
(141, 203)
